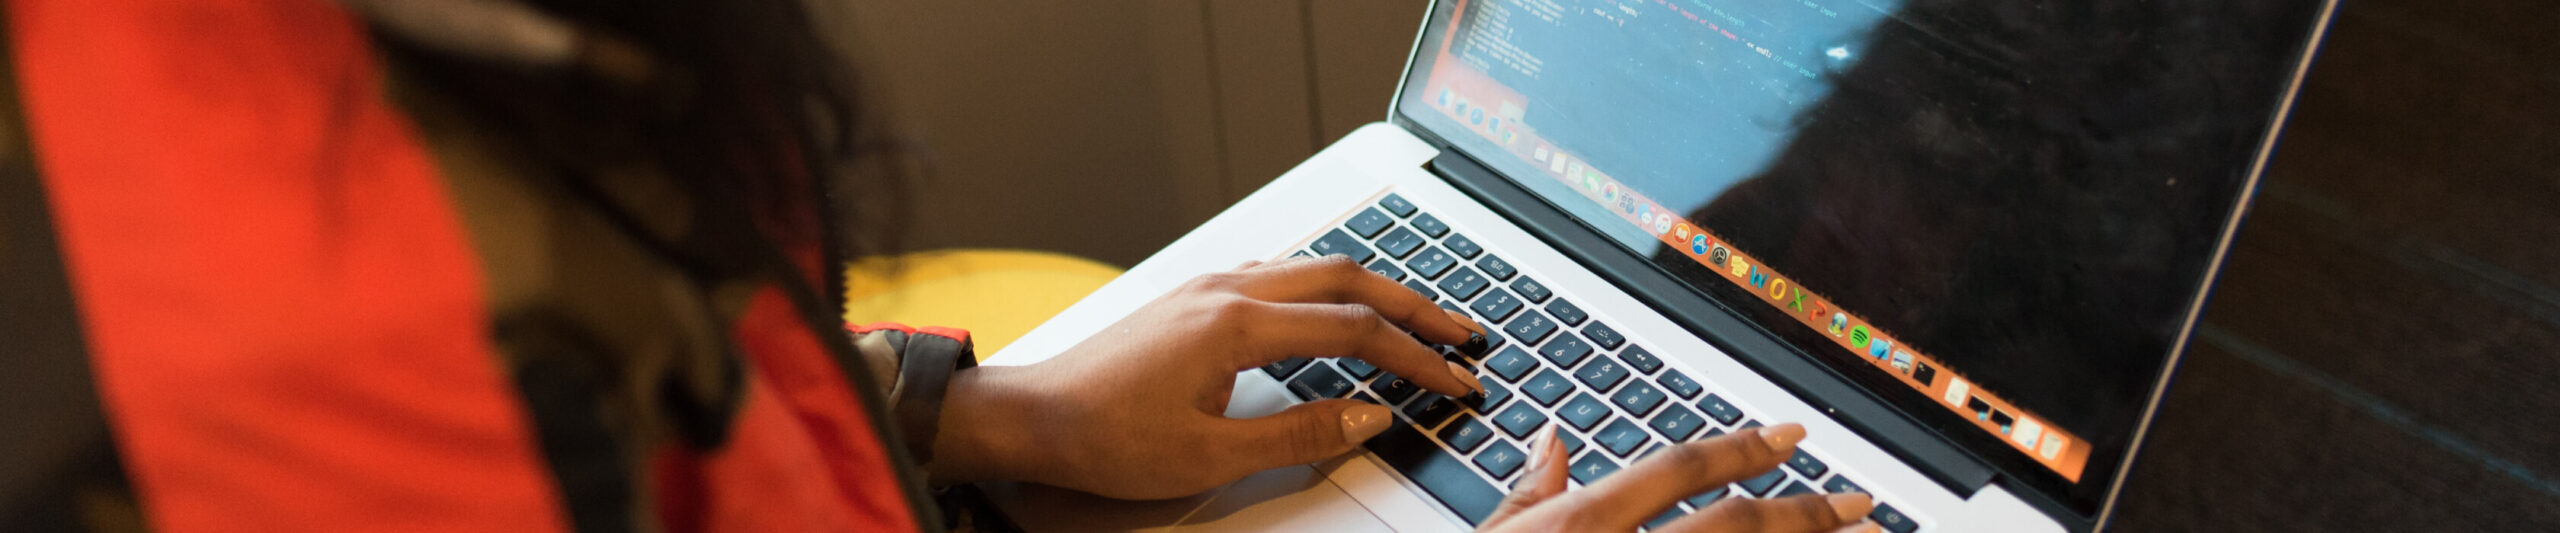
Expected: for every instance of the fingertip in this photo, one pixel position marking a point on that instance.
(1851, 506)
(1363, 422)
(1782, 438)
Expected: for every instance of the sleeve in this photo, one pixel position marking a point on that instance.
(922, 361)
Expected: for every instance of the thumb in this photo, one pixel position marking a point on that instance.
(1306, 433)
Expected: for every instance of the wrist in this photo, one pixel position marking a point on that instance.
(986, 424)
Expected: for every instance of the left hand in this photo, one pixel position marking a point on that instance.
(1138, 411)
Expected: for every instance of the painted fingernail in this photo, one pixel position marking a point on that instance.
(1782, 437)
(1363, 421)
(1464, 321)
(1851, 506)
(1539, 451)
(1467, 378)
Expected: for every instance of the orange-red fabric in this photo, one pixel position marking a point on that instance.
(284, 314)
(803, 454)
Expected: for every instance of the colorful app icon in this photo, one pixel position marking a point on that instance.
(1880, 348)
(2028, 431)
(1777, 289)
(2052, 448)
(1662, 223)
(1683, 231)
(1839, 324)
(1698, 244)
(1644, 214)
(1981, 409)
(1902, 362)
(1923, 373)
(1444, 97)
(1626, 203)
(1543, 153)
(1557, 165)
(2002, 419)
(1716, 255)
(1475, 116)
(1609, 192)
(1740, 268)
(1493, 124)
(1759, 279)
(1858, 335)
(1957, 390)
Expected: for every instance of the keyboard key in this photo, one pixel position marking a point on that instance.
(1680, 385)
(1547, 387)
(1431, 263)
(1520, 420)
(1892, 520)
(1281, 369)
(1301, 253)
(1444, 476)
(1431, 225)
(1511, 364)
(1583, 412)
(1498, 268)
(1765, 484)
(1494, 395)
(1400, 242)
(1677, 423)
(1421, 288)
(1724, 413)
(1465, 248)
(1664, 519)
(1320, 381)
(1643, 361)
(1464, 284)
(1621, 437)
(1364, 397)
(1431, 409)
(1398, 205)
(1466, 434)
(1497, 305)
(1792, 489)
(1592, 467)
(1566, 351)
(1387, 268)
(1638, 398)
(1530, 327)
(1357, 368)
(1368, 223)
(1703, 499)
(1841, 484)
(1532, 290)
(1602, 374)
(1567, 313)
(1501, 459)
(1394, 389)
(1338, 243)
(1603, 335)
(1572, 444)
(1807, 465)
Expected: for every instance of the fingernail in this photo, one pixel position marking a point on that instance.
(1539, 450)
(1464, 321)
(1467, 378)
(1851, 506)
(1363, 421)
(1782, 438)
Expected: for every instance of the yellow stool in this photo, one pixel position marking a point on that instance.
(998, 295)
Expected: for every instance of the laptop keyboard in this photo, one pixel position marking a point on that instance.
(1549, 362)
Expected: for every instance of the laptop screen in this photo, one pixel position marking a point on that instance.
(1997, 213)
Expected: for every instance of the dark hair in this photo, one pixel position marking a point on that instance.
(737, 99)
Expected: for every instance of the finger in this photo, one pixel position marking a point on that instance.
(1283, 331)
(1248, 265)
(1335, 279)
(1304, 433)
(1644, 489)
(1807, 513)
(1863, 526)
(1543, 480)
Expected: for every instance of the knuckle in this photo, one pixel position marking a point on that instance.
(1692, 457)
(1816, 511)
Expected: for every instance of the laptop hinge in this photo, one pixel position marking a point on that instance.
(1935, 457)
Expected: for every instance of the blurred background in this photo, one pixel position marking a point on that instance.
(2382, 354)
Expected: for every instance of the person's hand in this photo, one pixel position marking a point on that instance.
(1137, 411)
(1631, 497)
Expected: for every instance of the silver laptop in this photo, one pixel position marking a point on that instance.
(1961, 242)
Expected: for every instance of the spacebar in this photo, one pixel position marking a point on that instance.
(1444, 476)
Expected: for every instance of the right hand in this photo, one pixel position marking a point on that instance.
(1629, 498)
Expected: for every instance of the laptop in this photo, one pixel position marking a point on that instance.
(1962, 243)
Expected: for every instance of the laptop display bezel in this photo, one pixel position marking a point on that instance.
(2081, 506)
